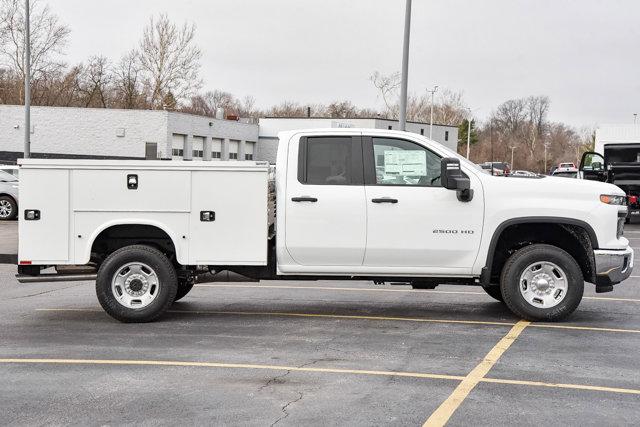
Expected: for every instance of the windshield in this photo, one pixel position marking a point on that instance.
(7, 177)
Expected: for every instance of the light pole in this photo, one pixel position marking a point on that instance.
(513, 147)
(635, 117)
(468, 132)
(27, 82)
(432, 91)
(546, 145)
(405, 66)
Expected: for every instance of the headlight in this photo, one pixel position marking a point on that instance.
(613, 200)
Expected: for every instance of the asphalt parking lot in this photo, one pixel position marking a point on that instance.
(316, 353)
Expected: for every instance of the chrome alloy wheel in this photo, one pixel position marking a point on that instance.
(5, 209)
(543, 284)
(135, 285)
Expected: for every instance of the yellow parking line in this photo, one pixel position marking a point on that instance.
(232, 366)
(364, 372)
(449, 406)
(560, 385)
(317, 315)
(584, 328)
(352, 289)
(362, 317)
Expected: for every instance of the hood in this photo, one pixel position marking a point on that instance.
(551, 187)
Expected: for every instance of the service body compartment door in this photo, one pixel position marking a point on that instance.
(45, 240)
(228, 223)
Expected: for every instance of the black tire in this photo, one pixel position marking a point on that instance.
(521, 260)
(494, 292)
(11, 204)
(167, 285)
(183, 290)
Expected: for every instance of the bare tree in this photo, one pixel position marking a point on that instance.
(170, 60)
(48, 38)
(95, 82)
(388, 86)
(342, 110)
(127, 84)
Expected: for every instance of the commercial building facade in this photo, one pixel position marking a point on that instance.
(129, 134)
(269, 127)
(98, 133)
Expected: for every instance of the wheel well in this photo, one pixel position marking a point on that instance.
(118, 236)
(572, 238)
(9, 196)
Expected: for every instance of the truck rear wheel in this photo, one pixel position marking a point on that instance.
(136, 284)
(542, 282)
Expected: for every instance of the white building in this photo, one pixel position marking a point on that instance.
(616, 134)
(270, 126)
(128, 134)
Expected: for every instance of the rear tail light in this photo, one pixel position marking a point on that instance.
(633, 200)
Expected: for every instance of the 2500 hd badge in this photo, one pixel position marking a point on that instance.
(452, 231)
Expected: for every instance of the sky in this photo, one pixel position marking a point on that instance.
(583, 54)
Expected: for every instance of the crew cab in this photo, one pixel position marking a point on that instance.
(363, 204)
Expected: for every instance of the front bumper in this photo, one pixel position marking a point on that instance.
(613, 266)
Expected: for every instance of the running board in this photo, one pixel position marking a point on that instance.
(54, 277)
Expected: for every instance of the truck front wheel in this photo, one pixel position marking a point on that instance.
(542, 282)
(136, 284)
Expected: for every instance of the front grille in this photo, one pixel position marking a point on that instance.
(620, 230)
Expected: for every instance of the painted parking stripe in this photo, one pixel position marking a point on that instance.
(363, 317)
(315, 315)
(441, 415)
(352, 289)
(363, 372)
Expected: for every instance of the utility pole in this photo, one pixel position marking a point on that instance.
(27, 82)
(513, 147)
(468, 132)
(432, 92)
(546, 145)
(405, 66)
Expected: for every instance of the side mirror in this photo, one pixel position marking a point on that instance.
(452, 178)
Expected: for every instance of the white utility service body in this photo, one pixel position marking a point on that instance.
(351, 203)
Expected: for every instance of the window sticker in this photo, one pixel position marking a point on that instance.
(405, 162)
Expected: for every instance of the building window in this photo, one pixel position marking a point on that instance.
(248, 156)
(390, 127)
(446, 135)
(422, 131)
(177, 152)
(198, 153)
(216, 155)
(233, 156)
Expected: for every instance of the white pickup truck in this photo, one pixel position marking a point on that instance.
(360, 204)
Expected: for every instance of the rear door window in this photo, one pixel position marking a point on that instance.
(330, 160)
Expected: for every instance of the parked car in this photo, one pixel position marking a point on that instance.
(565, 173)
(12, 169)
(526, 174)
(8, 196)
(567, 165)
(496, 168)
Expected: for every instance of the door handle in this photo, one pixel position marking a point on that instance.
(385, 200)
(304, 199)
